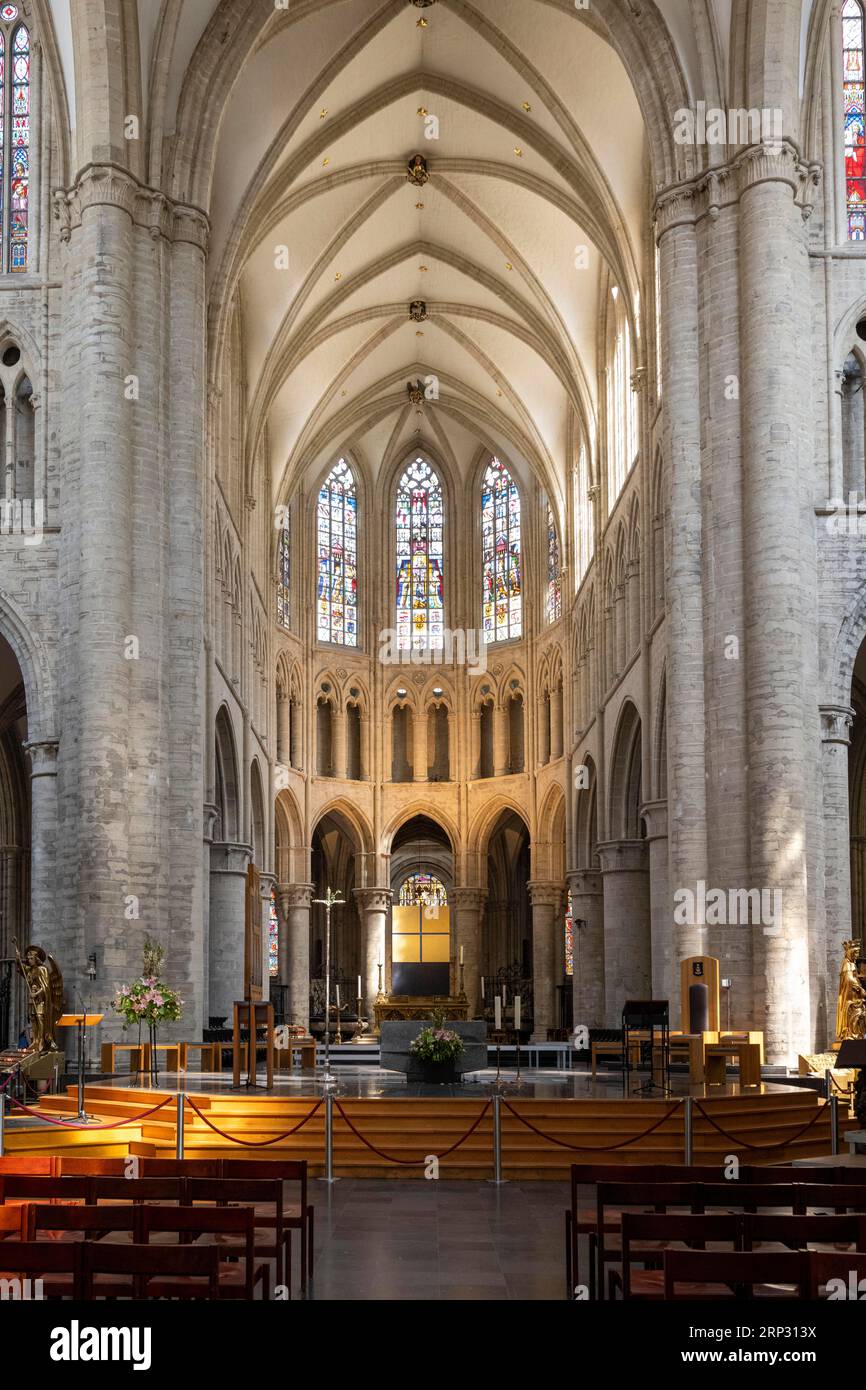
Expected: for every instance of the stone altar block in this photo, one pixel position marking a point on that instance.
(396, 1035)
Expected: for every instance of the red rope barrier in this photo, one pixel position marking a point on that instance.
(745, 1143)
(410, 1162)
(91, 1129)
(591, 1148)
(253, 1143)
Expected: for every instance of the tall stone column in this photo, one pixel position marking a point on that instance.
(542, 726)
(836, 721)
(475, 743)
(681, 441)
(366, 760)
(627, 946)
(467, 906)
(295, 742)
(284, 724)
(374, 906)
(419, 745)
(546, 899)
(777, 448)
(452, 747)
(228, 886)
(294, 900)
(340, 746)
(500, 741)
(664, 973)
(587, 906)
(556, 723)
(43, 834)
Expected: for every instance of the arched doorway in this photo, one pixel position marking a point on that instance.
(507, 932)
(14, 840)
(422, 882)
(625, 870)
(335, 864)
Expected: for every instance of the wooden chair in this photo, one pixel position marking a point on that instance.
(107, 1189)
(298, 1216)
(850, 1267)
(180, 1167)
(21, 1187)
(28, 1165)
(705, 1272)
(75, 1224)
(799, 1232)
(193, 1269)
(16, 1222)
(57, 1264)
(655, 1196)
(235, 1227)
(207, 1054)
(273, 1239)
(645, 1237)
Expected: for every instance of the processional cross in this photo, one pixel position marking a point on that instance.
(327, 902)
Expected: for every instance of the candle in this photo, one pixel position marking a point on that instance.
(359, 986)
(482, 987)
(338, 996)
(517, 1013)
(504, 995)
(497, 1013)
(461, 955)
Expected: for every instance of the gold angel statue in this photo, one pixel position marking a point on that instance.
(851, 1008)
(45, 991)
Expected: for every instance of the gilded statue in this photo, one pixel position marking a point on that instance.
(45, 993)
(851, 1008)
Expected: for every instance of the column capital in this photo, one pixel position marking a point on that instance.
(546, 893)
(584, 882)
(295, 895)
(467, 899)
(43, 757)
(655, 813)
(622, 856)
(836, 721)
(373, 899)
(109, 185)
(229, 858)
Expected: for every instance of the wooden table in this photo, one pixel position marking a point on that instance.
(109, 1051)
(285, 1059)
(208, 1055)
(614, 1049)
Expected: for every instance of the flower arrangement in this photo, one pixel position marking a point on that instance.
(437, 1043)
(148, 999)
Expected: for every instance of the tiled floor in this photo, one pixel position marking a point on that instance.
(439, 1240)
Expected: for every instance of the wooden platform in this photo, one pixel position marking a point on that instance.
(763, 1129)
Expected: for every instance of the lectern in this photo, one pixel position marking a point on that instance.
(82, 1022)
(252, 1012)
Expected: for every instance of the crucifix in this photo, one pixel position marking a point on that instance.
(327, 902)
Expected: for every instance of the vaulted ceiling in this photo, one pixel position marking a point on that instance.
(538, 200)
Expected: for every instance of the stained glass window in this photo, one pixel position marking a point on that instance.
(554, 573)
(19, 175)
(284, 571)
(2, 130)
(420, 591)
(337, 530)
(273, 937)
(423, 890)
(569, 936)
(853, 44)
(502, 610)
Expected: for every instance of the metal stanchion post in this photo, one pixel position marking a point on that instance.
(834, 1125)
(181, 1098)
(497, 1179)
(687, 1130)
(329, 1139)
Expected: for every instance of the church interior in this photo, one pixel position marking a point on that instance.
(433, 650)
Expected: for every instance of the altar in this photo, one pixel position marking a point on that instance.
(408, 1007)
(397, 1036)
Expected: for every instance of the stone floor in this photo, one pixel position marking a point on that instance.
(435, 1240)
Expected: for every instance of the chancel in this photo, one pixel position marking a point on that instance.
(432, 642)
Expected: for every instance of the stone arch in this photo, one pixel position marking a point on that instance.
(226, 790)
(258, 817)
(421, 808)
(483, 827)
(289, 839)
(549, 845)
(625, 776)
(586, 818)
(352, 821)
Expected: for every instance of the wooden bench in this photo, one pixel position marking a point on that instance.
(285, 1059)
(168, 1048)
(208, 1055)
(748, 1055)
(109, 1051)
(614, 1049)
(692, 1044)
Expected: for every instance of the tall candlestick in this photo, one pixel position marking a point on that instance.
(461, 955)
(497, 1013)
(338, 996)
(517, 1013)
(359, 986)
(482, 989)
